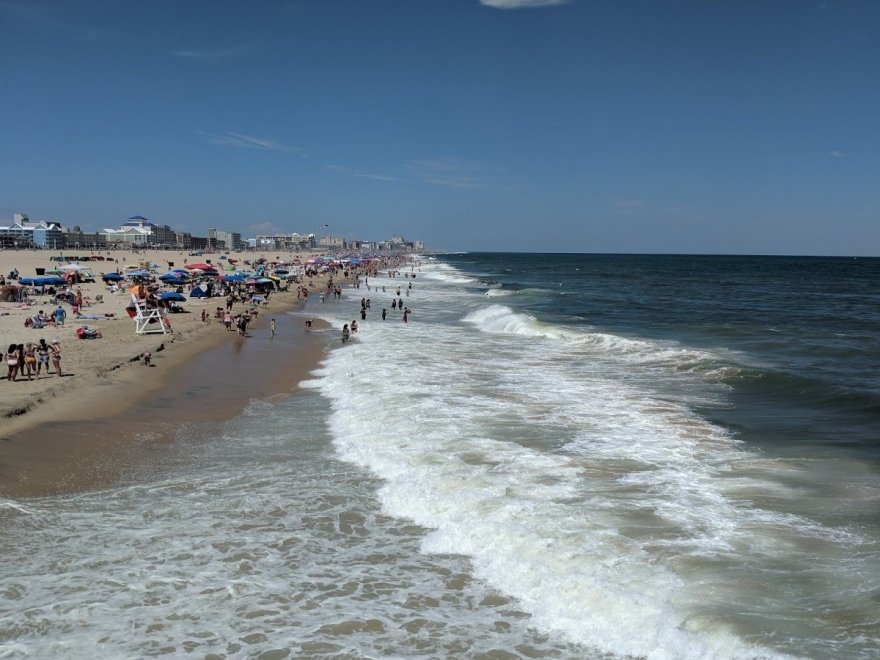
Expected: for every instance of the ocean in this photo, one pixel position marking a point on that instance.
(558, 456)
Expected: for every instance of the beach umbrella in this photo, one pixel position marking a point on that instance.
(199, 266)
(238, 277)
(264, 280)
(111, 277)
(172, 295)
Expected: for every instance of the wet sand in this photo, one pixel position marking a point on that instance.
(212, 385)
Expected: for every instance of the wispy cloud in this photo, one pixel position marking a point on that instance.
(362, 174)
(626, 207)
(39, 15)
(521, 4)
(210, 54)
(836, 154)
(230, 139)
(454, 172)
(265, 228)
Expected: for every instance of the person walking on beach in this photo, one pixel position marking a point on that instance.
(60, 315)
(272, 327)
(406, 315)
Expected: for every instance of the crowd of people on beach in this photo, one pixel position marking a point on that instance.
(397, 304)
(28, 360)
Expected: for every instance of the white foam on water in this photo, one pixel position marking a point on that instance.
(445, 273)
(548, 456)
(514, 509)
(253, 542)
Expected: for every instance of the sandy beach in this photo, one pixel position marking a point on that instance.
(105, 378)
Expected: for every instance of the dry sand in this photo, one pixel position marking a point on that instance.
(105, 377)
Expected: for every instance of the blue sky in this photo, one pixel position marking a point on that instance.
(579, 126)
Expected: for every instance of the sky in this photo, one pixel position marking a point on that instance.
(635, 126)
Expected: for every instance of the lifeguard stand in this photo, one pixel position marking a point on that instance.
(148, 320)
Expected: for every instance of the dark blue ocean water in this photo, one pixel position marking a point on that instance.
(800, 335)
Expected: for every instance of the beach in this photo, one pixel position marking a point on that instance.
(106, 377)
(567, 456)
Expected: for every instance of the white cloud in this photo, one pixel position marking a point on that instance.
(836, 154)
(628, 207)
(209, 54)
(230, 139)
(362, 174)
(521, 4)
(265, 228)
(454, 172)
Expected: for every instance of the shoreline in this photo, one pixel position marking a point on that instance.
(105, 382)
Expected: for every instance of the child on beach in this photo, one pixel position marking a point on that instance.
(272, 327)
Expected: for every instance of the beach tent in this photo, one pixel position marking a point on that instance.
(198, 292)
(42, 281)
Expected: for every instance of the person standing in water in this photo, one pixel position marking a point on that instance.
(272, 327)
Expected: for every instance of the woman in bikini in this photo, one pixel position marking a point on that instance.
(30, 360)
(12, 361)
(55, 348)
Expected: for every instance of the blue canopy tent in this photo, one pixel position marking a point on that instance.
(198, 292)
(42, 281)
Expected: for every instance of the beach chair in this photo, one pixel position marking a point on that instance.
(148, 320)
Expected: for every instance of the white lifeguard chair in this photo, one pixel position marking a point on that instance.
(149, 320)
